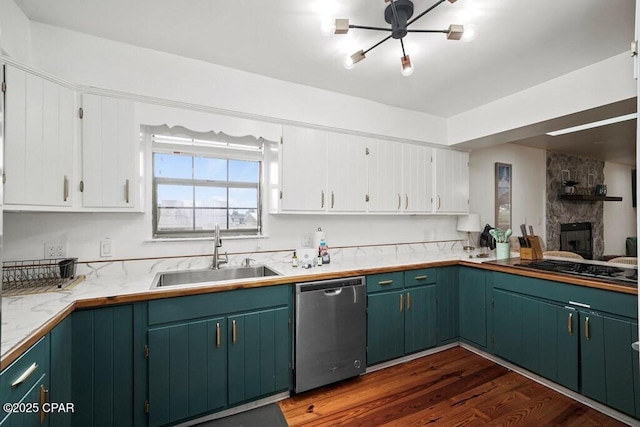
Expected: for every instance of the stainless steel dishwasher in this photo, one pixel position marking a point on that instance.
(330, 331)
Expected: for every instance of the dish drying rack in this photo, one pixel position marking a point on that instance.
(38, 275)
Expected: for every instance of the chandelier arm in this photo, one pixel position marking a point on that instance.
(428, 31)
(425, 12)
(364, 27)
(377, 44)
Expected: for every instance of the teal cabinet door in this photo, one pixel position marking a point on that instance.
(102, 366)
(636, 370)
(473, 306)
(420, 318)
(36, 394)
(540, 337)
(187, 370)
(593, 382)
(448, 299)
(385, 326)
(259, 354)
(608, 362)
(60, 371)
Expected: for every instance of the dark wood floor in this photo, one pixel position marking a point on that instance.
(452, 388)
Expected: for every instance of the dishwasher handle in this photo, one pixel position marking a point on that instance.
(333, 292)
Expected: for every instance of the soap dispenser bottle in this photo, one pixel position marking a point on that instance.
(294, 260)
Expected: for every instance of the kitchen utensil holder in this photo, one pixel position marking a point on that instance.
(534, 251)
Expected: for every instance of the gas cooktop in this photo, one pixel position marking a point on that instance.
(608, 273)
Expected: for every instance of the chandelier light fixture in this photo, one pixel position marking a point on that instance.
(398, 13)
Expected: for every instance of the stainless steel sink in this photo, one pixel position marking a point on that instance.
(187, 277)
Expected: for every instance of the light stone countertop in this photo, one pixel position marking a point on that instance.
(23, 315)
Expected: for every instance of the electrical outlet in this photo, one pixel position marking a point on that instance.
(54, 250)
(306, 241)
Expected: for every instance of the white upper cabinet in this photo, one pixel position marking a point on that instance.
(451, 185)
(39, 141)
(304, 170)
(347, 173)
(109, 153)
(385, 176)
(417, 178)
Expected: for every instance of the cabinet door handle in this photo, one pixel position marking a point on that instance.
(406, 201)
(401, 302)
(126, 186)
(234, 332)
(385, 282)
(408, 301)
(65, 189)
(333, 199)
(217, 335)
(570, 323)
(44, 398)
(438, 202)
(586, 328)
(322, 199)
(26, 374)
(399, 200)
(421, 277)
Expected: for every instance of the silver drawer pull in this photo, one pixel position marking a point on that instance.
(421, 277)
(385, 282)
(26, 374)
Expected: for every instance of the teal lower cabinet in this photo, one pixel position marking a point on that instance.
(401, 314)
(608, 362)
(187, 370)
(540, 337)
(473, 306)
(546, 328)
(258, 354)
(24, 385)
(102, 366)
(448, 301)
(210, 352)
(60, 372)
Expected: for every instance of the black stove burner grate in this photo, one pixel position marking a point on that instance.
(598, 271)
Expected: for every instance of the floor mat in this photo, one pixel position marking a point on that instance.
(264, 416)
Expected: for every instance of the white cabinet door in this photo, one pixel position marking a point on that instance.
(451, 181)
(40, 116)
(109, 152)
(304, 169)
(417, 178)
(347, 173)
(385, 176)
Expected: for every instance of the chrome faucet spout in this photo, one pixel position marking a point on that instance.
(217, 243)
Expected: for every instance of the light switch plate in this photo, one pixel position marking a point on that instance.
(106, 248)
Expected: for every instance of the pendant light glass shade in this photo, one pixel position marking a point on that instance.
(407, 67)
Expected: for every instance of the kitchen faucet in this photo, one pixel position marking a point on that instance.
(217, 243)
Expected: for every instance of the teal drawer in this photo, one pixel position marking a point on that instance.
(19, 377)
(217, 304)
(423, 276)
(385, 282)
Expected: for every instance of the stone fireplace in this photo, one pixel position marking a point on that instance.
(560, 211)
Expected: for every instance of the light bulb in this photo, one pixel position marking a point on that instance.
(407, 67)
(348, 62)
(327, 26)
(469, 33)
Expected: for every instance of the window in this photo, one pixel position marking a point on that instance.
(199, 183)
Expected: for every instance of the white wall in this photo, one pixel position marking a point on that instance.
(106, 64)
(528, 187)
(15, 35)
(619, 217)
(602, 83)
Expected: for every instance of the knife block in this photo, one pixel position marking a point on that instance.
(534, 251)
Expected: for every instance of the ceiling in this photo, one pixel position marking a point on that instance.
(518, 43)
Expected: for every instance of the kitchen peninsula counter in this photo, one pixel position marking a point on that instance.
(25, 319)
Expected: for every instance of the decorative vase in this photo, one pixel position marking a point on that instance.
(502, 250)
(569, 190)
